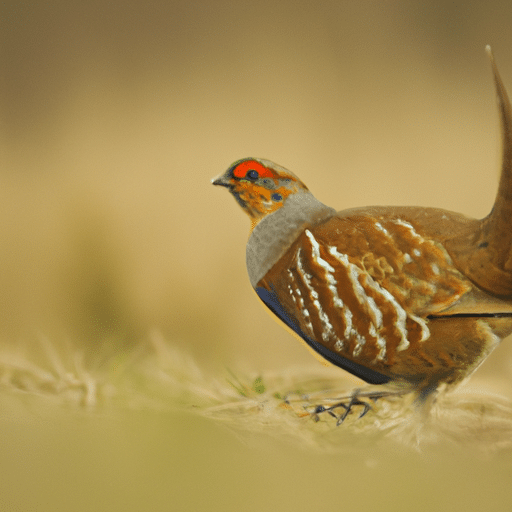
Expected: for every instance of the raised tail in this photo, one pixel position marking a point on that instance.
(483, 251)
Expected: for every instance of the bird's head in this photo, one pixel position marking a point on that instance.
(259, 186)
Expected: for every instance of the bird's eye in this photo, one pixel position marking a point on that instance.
(252, 174)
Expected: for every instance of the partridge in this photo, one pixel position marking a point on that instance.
(407, 295)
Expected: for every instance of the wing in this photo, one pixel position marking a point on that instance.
(271, 300)
(362, 289)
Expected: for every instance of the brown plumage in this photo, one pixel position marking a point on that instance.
(416, 296)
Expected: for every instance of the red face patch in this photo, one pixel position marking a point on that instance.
(243, 168)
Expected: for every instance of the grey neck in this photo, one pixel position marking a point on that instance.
(276, 232)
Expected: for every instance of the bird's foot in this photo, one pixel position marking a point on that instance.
(345, 405)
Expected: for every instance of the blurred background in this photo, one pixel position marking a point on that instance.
(114, 117)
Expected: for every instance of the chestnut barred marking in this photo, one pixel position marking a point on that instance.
(332, 285)
(328, 333)
(380, 227)
(355, 273)
(376, 315)
(410, 228)
(350, 331)
(328, 330)
(387, 323)
(367, 303)
(299, 300)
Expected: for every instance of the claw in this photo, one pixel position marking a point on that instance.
(349, 403)
(347, 406)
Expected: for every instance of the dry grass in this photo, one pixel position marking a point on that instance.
(158, 375)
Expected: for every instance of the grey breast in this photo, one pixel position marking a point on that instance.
(276, 232)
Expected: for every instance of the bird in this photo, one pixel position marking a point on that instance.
(413, 297)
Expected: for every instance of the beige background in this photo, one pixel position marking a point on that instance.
(114, 116)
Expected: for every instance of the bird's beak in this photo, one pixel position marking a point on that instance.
(222, 181)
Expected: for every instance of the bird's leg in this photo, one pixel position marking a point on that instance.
(355, 399)
(347, 405)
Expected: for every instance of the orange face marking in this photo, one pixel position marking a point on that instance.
(243, 168)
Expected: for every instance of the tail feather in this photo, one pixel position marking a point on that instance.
(499, 222)
(484, 253)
